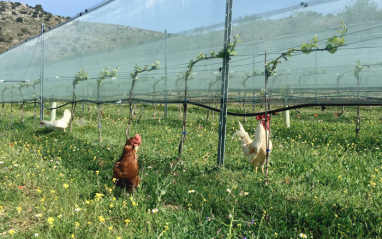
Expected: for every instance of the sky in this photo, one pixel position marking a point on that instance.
(69, 8)
(193, 13)
(65, 8)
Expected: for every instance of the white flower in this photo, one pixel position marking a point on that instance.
(77, 209)
(228, 190)
(38, 215)
(36, 235)
(155, 210)
(1, 162)
(191, 191)
(302, 235)
(246, 193)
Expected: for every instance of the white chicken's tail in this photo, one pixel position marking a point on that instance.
(244, 137)
(67, 115)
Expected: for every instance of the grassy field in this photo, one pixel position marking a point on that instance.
(324, 181)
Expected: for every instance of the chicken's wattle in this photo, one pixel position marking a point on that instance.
(137, 140)
(262, 118)
(263, 122)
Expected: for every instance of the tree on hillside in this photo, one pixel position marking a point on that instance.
(361, 10)
(38, 7)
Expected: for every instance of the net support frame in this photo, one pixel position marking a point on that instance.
(224, 85)
(42, 74)
(165, 73)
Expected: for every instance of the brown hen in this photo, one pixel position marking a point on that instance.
(125, 171)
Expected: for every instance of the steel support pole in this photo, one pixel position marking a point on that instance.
(224, 85)
(165, 74)
(42, 74)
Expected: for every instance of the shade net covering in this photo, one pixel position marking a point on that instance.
(124, 35)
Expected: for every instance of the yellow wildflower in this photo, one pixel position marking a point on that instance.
(50, 221)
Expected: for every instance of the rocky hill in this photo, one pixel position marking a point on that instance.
(19, 21)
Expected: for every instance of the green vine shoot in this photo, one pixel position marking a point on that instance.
(104, 74)
(224, 53)
(332, 44)
(134, 75)
(80, 76)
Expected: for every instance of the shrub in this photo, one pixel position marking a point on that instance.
(38, 7)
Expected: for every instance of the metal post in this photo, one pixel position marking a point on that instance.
(165, 74)
(315, 74)
(42, 74)
(253, 72)
(224, 87)
(267, 137)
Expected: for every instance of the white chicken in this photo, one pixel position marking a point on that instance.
(255, 150)
(59, 124)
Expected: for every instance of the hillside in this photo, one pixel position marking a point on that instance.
(19, 21)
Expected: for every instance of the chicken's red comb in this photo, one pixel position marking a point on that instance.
(262, 117)
(137, 136)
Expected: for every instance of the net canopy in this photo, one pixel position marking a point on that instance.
(111, 40)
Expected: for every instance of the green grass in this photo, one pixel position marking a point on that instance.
(324, 181)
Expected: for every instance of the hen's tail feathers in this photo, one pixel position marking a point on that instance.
(241, 127)
(244, 137)
(67, 115)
